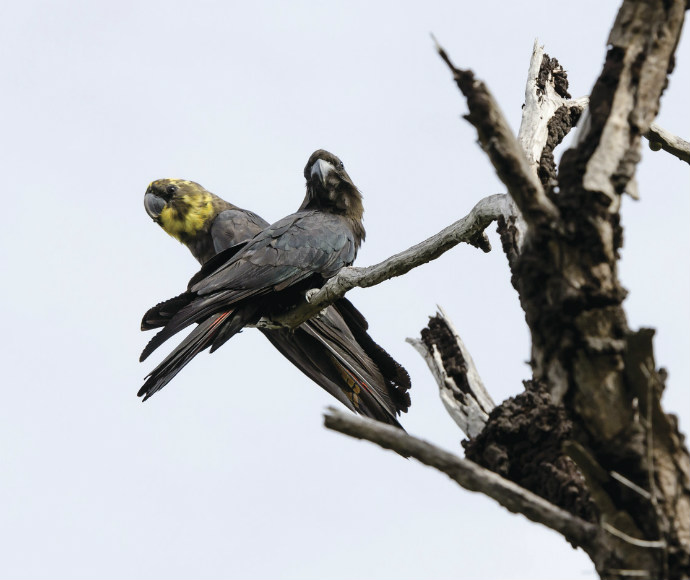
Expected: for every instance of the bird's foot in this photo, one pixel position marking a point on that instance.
(267, 324)
(309, 295)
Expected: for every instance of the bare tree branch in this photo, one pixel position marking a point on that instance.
(597, 377)
(566, 276)
(543, 99)
(625, 99)
(498, 141)
(660, 138)
(461, 388)
(633, 541)
(468, 475)
(466, 230)
(546, 92)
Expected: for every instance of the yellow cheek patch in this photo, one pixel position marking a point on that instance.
(188, 216)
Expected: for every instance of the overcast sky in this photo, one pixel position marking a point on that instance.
(228, 472)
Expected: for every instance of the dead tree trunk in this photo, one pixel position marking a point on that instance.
(582, 349)
(587, 449)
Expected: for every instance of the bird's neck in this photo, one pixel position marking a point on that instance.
(348, 205)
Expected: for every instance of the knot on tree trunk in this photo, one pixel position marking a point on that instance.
(522, 441)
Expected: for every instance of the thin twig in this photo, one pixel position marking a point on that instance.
(650, 376)
(633, 541)
(627, 483)
(610, 572)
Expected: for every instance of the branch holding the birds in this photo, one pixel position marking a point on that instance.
(470, 476)
(466, 229)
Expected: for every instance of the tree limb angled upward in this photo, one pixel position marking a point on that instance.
(467, 229)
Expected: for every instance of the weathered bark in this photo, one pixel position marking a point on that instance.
(582, 348)
(461, 388)
(589, 434)
(596, 392)
(523, 441)
(660, 138)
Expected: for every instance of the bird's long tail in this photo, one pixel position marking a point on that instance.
(199, 339)
(360, 378)
(396, 377)
(198, 309)
(160, 314)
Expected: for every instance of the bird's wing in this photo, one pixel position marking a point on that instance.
(226, 323)
(235, 226)
(291, 251)
(230, 232)
(284, 254)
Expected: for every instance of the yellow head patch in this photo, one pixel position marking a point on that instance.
(187, 215)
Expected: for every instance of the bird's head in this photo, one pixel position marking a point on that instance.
(182, 208)
(330, 188)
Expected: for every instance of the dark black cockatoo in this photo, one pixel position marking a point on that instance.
(251, 269)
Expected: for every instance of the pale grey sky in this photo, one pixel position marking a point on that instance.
(228, 472)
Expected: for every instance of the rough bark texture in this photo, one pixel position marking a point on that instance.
(501, 146)
(508, 231)
(563, 120)
(460, 386)
(569, 289)
(589, 433)
(437, 334)
(523, 440)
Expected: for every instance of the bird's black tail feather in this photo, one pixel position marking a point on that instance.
(396, 377)
(198, 309)
(160, 314)
(360, 379)
(226, 324)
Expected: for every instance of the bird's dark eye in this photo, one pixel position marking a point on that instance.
(171, 189)
(341, 165)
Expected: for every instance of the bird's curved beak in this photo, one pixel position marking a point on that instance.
(321, 169)
(154, 205)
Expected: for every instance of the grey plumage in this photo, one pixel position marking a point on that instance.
(268, 273)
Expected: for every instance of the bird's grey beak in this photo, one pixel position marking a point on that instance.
(321, 169)
(154, 205)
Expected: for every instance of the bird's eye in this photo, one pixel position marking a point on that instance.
(171, 189)
(341, 165)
